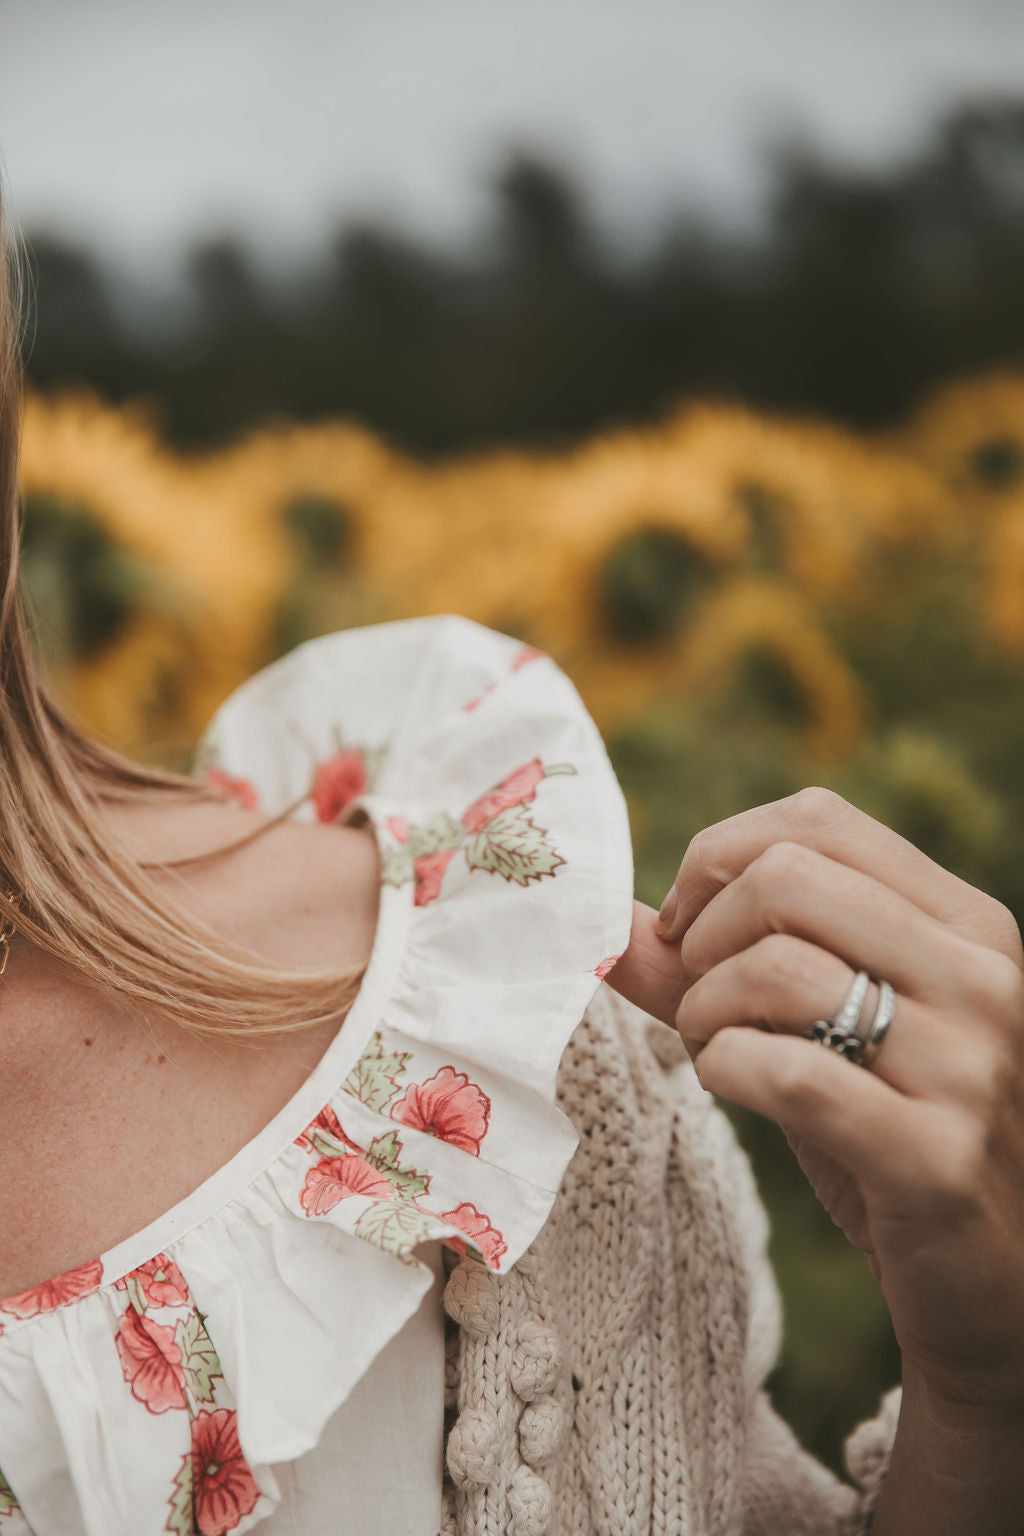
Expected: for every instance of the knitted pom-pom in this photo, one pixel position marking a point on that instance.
(473, 1447)
(530, 1504)
(451, 1369)
(533, 1370)
(542, 1430)
(449, 1513)
(471, 1298)
(867, 1453)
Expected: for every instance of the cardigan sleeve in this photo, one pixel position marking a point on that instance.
(785, 1488)
(715, 1304)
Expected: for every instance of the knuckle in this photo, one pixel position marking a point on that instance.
(801, 1084)
(981, 1079)
(778, 962)
(704, 849)
(818, 806)
(960, 1171)
(780, 863)
(1001, 928)
(999, 990)
(996, 1078)
(691, 950)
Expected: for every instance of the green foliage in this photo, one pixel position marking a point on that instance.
(764, 508)
(320, 527)
(765, 686)
(76, 574)
(998, 462)
(649, 581)
(326, 590)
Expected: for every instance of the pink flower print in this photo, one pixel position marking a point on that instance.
(429, 871)
(399, 828)
(337, 782)
(602, 970)
(151, 1362)
(517, 789)
(475, 1225)
(228, 788)
(334, 1178)
(526, 654)
(328, 1122)
(162, 1282)
(474, 703)
(447, 1106)
(52, 1294)
(224, 1490)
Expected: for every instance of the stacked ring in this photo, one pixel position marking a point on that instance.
(846, 1033)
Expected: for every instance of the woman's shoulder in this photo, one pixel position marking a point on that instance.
(101, 1074)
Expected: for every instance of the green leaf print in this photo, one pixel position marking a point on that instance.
(180, 1521)
(438, 835)
(394, 1226)
(408, 1183)
(396, 866)
(7, 1500)
(327, 1145)
(136, 1295)
(198, 1357)
(373, 759)
(383, 1153)
(511, 846)
(373, 1079)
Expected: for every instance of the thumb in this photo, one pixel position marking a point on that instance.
(650, 972)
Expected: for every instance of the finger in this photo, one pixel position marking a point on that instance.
(824, 821)
(784, 984)
(791, 889)
(883, 1139)
(649, 973)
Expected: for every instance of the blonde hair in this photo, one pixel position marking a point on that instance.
(83, 898)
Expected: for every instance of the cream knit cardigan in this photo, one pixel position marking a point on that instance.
(611, 1384)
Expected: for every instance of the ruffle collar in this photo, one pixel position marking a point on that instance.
(228, 1331)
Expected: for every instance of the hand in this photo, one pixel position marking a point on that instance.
(919, 1158)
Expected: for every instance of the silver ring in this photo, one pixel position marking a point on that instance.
(837, 1032)
(844, 1032)
(884, 1013)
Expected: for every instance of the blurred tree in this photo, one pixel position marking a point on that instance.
(73, 334)
(860, 292)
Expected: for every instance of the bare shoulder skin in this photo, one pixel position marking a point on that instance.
(109, 1120)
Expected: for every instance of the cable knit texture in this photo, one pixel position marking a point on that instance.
(612, 1383)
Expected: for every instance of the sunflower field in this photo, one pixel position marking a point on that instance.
(747, 604)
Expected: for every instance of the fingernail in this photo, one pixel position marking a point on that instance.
(668, 910)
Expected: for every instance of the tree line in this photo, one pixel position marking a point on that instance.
(861, 290)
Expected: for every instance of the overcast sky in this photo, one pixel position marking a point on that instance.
(137, 124)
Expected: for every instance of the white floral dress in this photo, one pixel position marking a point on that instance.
(269, 1352)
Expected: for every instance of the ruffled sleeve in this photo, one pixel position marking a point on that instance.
(225, 1334)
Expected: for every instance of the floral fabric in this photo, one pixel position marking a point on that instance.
(180, 1381)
